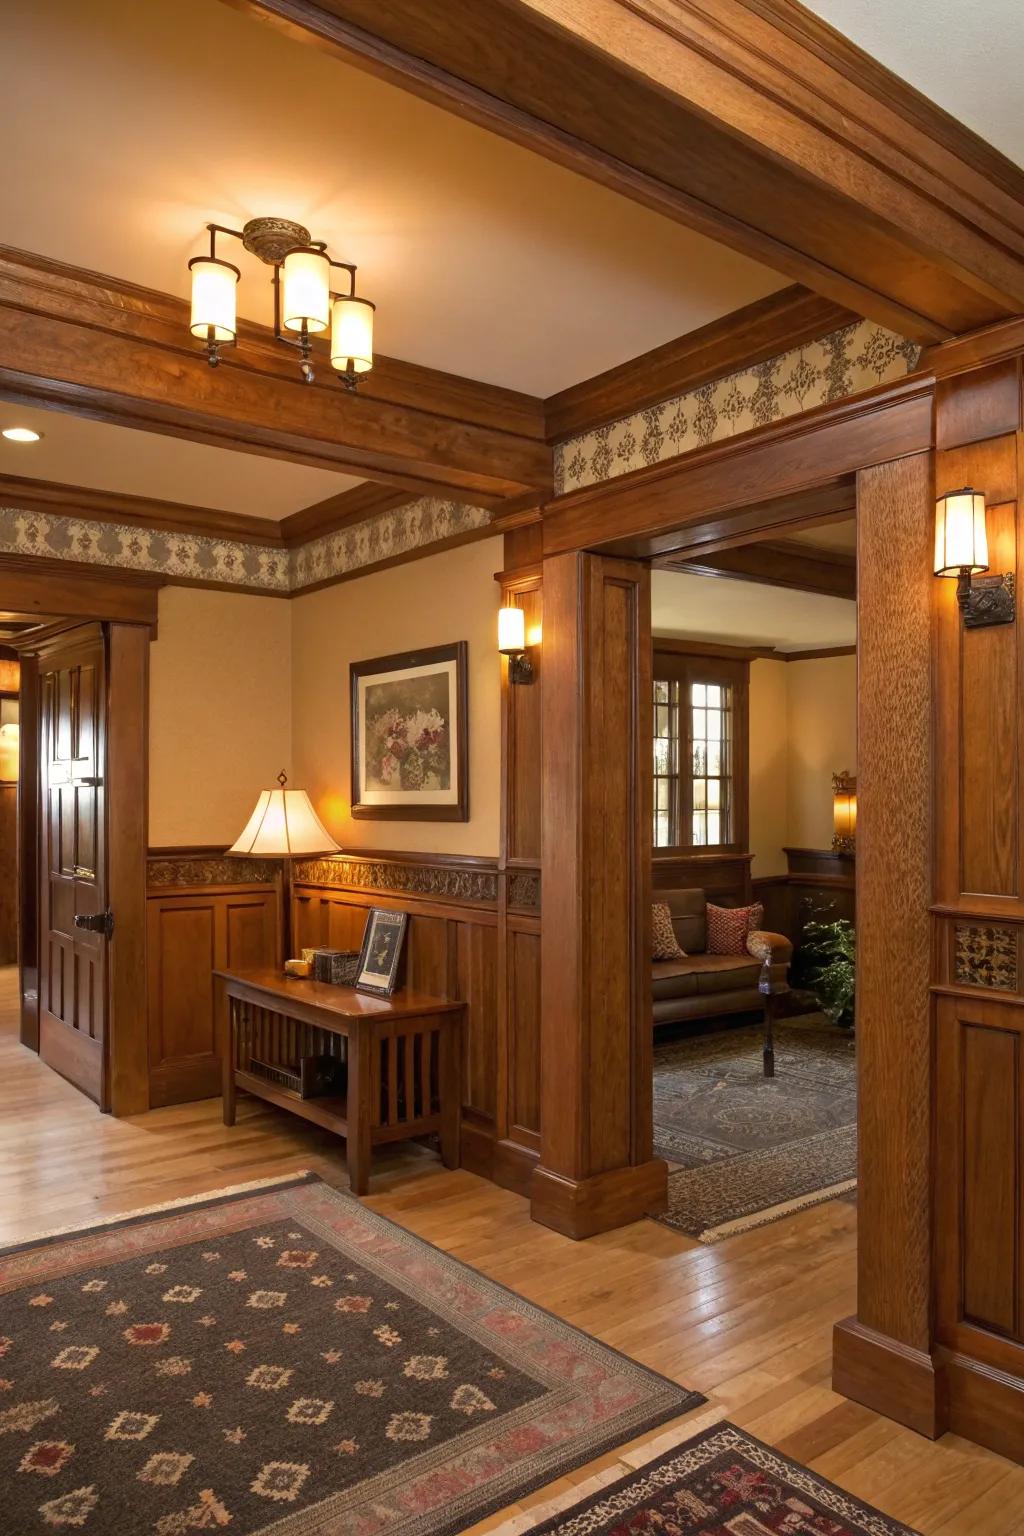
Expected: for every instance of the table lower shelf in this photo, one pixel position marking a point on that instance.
(331, 1111)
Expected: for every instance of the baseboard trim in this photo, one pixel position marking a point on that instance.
(985, 1405)
(582, 1208)
(513, 1166)
(891, 1377)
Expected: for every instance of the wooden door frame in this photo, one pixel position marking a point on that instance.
(126, 604)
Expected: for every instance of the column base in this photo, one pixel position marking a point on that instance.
(892, 1378)
(583, 1207)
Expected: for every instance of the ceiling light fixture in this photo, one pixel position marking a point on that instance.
(305, 305)
(21, 435)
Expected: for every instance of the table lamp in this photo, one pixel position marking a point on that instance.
(284, 826)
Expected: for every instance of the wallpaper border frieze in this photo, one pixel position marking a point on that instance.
(208, 869)
(857, 357)
(266, 568)
(449, 882)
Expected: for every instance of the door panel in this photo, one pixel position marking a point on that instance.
(73, 981)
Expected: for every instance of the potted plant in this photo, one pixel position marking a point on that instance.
(827, 966)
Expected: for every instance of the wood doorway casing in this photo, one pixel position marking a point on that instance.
(125, 606)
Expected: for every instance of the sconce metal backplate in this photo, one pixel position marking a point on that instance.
(991, 600)
(520, 668)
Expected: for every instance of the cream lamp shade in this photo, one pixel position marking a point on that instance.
(511, 631)
(214, 295)
(305, 290)
(351, 334)
(284, 825)
(961, 542)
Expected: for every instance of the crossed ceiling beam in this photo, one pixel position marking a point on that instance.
(750, 121)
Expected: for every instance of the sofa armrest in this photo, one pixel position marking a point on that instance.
(761, 940)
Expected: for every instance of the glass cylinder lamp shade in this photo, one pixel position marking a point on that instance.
(284, 825)
(214, 299)
(306, 290)
(511, 631)
(961, 542)
(351, 334)
(844, 812)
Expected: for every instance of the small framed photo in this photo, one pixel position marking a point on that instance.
(410, 735)
(381, 953)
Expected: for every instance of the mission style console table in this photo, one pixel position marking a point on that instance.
(396, 1059)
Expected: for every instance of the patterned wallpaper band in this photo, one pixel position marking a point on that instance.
(849, 360)
(197, 557)
(857, 357)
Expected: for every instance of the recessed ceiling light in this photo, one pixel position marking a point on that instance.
(21, 435)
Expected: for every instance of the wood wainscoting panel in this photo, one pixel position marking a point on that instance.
(523, 960)
(192, 932)
(725, 877)
(8, 874)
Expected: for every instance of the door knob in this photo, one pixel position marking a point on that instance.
(96, 922)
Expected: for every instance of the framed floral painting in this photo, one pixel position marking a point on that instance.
(410, 736)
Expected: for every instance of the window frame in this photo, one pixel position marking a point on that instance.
(677, 665)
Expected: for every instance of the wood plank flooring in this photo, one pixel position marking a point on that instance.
(748, 1322)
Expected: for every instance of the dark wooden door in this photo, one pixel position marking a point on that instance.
(72, 885)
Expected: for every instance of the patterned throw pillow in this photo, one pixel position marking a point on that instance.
(663, 939)
(728, 928)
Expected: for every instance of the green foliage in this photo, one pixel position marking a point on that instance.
(827, 966)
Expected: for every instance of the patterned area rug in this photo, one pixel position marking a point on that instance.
(286, 1359)
(751, 1149)
(723, 1482)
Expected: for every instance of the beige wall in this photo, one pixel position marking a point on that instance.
(803, 728)
(446, 597)
(769, 766)
(220, 712)
(822, 741)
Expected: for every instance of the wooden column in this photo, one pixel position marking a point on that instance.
(127, 814)
(596, 1167)
(882, 1357)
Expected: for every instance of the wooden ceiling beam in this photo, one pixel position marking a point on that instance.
(747, 120)
(790, 318)
(76, 341)
(781, 564)
(135, 511)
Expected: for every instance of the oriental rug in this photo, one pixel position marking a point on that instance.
(743, 1149)
(282, 1358)
(723, 1482)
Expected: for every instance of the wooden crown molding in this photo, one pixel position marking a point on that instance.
(341, 511)
(78, 341)
(790, 318)
(674, 645)
(752, 123)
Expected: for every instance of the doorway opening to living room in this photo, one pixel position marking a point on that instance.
(754, 707)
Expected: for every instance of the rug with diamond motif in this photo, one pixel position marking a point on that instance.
(723, 1482)
(285, 1359)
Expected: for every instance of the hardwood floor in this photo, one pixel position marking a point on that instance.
(747, 1322)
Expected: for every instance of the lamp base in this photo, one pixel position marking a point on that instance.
(272, 239)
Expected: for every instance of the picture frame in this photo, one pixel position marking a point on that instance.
(410, 735)
(381, 954)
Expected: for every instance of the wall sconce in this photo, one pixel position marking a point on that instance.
(844, 813)
(304, 302)
(512, 643)
(961, 550)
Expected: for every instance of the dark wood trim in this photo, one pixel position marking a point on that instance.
(797, 567)
(127, 824)
(673, 645)
(975, 349)
(815, 506)
(341, 511)
(763, 131)
(78, 341)
(687, 666)
(135, 511)
(31, 584)
(759, 331)
(28, 851)
(644, 514)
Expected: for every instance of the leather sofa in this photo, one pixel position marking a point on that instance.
(707, 986)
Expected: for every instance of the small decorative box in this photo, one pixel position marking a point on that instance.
(339, 967)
